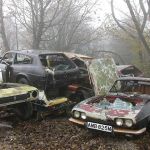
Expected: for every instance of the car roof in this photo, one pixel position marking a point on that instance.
(73, 55)
(35, 52)
(135, 79)
(121, 67)
(38, 52)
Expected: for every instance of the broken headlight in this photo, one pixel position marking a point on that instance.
(119, 122)
(83, 115)
(128, 122)
(76, 114)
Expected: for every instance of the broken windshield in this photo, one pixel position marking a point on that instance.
(57, 62)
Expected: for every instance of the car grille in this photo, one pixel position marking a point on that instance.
(9, 99)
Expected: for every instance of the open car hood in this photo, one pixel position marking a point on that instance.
(103, 74)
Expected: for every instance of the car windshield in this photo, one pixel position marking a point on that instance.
(128, 86)
(57, 62)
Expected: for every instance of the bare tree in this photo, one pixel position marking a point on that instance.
(55, 24)
(139, 21)
(33, 15)
(73, 29)
(2, 28)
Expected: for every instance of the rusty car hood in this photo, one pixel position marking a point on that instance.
(110, 107)
(103, 74)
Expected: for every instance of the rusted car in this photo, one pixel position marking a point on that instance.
(18, 98)
(124, 109)
(48, 71)
(129, 70)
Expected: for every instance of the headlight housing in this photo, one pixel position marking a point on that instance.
(34, 94)
(76, 114)
(83, 115)
(119, 122)
(128, 122)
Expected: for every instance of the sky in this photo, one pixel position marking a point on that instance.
(103, 8)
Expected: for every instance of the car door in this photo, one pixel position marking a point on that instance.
(64, 69)
(23, 65)
(6, 66)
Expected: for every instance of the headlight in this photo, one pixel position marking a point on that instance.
(83, 116)
(76, 114)
(34, 94)
(128, 123)
(119, 122)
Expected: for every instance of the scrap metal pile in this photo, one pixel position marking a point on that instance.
(93, 92)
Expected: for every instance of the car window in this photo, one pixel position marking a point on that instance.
(58, 62)
(23, 59)
(131, 86)
(131, 71)
(8, 58)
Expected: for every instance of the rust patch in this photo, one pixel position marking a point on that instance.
(119, 113)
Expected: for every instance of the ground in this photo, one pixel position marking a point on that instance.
(59, 134)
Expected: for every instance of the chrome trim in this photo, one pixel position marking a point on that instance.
(130, 131)
(77, 121)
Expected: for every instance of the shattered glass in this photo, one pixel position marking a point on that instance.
(120, 104)
(103, 74)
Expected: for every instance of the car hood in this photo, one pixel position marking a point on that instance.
(110, 107)
(12, 89)
(103, 74)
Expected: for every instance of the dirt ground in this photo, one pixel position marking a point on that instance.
(57, 133)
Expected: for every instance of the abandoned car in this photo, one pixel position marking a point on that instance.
(122, 70)
(124, 109)
(48, 71)
(129, 70)
(18, 98)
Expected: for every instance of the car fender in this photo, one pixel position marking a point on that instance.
(22, 75)
(144, 113)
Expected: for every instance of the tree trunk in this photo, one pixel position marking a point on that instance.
(137, 26)
(2, 28)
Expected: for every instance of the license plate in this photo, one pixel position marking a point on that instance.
(98, 126)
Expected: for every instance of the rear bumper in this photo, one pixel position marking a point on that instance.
(116, 130)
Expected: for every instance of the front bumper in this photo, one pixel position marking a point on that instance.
(115, 130)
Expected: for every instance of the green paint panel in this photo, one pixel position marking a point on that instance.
(103, 74)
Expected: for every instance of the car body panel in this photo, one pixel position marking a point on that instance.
(103, 74)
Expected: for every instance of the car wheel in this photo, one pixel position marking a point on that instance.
(24, 110)
(23, 81)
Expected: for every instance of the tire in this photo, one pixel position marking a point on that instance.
(24, 110)
(23, 81)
